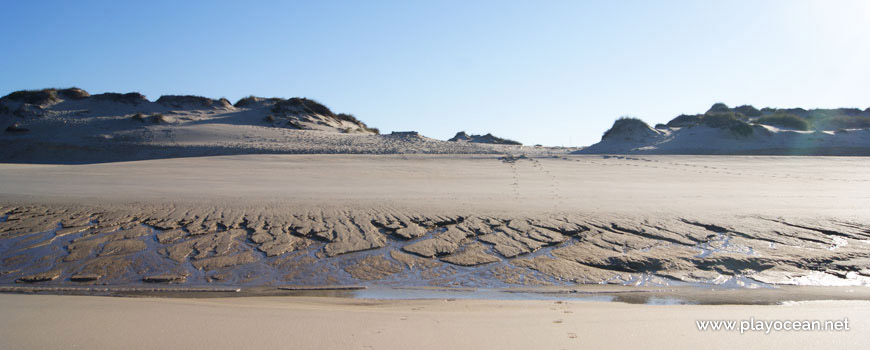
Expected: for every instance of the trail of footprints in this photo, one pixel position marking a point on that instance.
(553, 182)
(607, 160)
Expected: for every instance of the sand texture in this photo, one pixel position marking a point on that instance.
(336, 323)
(459, 221)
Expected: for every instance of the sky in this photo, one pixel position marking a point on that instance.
(556, 73)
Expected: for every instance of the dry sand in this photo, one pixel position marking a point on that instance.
(36, 321)
(681, 185)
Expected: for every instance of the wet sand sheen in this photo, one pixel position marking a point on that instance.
(36, 321)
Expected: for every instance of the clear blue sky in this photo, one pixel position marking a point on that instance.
(544, 72)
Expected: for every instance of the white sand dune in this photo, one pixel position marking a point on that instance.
(765, 140)
(744, 130)
(58, 128)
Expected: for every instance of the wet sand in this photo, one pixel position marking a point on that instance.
(37, 321)
(432, 221)
(454, 221)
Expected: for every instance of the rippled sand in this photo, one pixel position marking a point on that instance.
(458, 221)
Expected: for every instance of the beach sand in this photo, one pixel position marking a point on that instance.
(443, 220)
(677, 185)
(656, 218)
(44, 321)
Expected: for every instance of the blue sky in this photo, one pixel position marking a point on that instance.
(549, 72)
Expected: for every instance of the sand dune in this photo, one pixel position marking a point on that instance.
(66, 126)
(744, 130)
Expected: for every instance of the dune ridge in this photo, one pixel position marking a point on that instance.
(73, 126)
(744, 130)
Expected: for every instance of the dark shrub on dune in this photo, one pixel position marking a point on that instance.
(784, 121)
(742, 129)
(719, 107)
(347, 117)
(731, 121)
(796, 111)
(628, 128)
(246, 101)
(721, 120)
(46, 96)
(800, 112)
(490, 138)
(747, 110)
(312, 106)
(179, 101)
(684, 120)
(460, 136)
(131, 98)
(849, 122)
(34, 97)
(737, 119)
(840, 118)
(73, 93)
(850, 111)
(351, 118)
(251, 100)
(728, 119)
(301, 104)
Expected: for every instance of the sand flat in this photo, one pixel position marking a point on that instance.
(41, 321)
(535, 221)
(766, 185)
